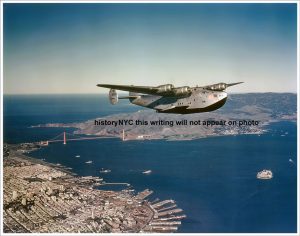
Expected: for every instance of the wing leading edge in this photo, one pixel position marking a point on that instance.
(135, 89)
(167, 90)
(220, 86)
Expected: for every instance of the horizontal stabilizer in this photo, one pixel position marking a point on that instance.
(128, 97)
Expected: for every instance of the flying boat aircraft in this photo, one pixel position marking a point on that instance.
(169, 99)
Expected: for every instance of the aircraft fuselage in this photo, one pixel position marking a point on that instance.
(167, 98)
(200, 100)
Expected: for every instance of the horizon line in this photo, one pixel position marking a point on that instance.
(33, 94)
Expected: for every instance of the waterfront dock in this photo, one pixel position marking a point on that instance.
(40, 197)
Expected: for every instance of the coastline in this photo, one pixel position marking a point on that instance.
(40, 197)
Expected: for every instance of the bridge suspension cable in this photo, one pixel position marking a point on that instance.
(64, 137)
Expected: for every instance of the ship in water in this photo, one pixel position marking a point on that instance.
(89, 162)
(147, 172)
(264, 174)
(104, 170)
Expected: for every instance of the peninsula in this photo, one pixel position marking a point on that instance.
(40, 197)
(252, 113)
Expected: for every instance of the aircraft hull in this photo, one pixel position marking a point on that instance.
(184, 110)
(201, 101)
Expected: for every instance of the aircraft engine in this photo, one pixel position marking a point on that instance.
(113, 96)
(217, 87)
(166, 88)
(181, 91)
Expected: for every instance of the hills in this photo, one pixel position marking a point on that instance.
(251, 112)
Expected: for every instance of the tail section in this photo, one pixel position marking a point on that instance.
(131, 96)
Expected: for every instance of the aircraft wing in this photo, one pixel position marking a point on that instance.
(135, 89)
(220, 86)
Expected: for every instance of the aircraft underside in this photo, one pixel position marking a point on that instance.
(201, 102)
(185, 110)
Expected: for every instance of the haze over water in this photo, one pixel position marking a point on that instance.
(213, 179)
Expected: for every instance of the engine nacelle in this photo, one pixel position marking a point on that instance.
(166, 88)
(181, 91)
(113, 96)
(217, 87)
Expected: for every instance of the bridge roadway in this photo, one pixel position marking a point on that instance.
(76, 139)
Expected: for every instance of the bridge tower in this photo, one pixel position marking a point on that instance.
(65, 139)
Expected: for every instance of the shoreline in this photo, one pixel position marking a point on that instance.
(262, 130)
(41, 197)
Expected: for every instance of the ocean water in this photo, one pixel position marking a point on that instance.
(213, 179)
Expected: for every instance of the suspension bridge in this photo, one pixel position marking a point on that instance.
(66, 137)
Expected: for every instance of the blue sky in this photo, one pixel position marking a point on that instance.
(69, 48)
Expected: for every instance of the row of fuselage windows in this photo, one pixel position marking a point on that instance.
(181, 103)
(189, 103)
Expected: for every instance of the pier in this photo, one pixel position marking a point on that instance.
(40, 197)
(164, 220)
(105, 183)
